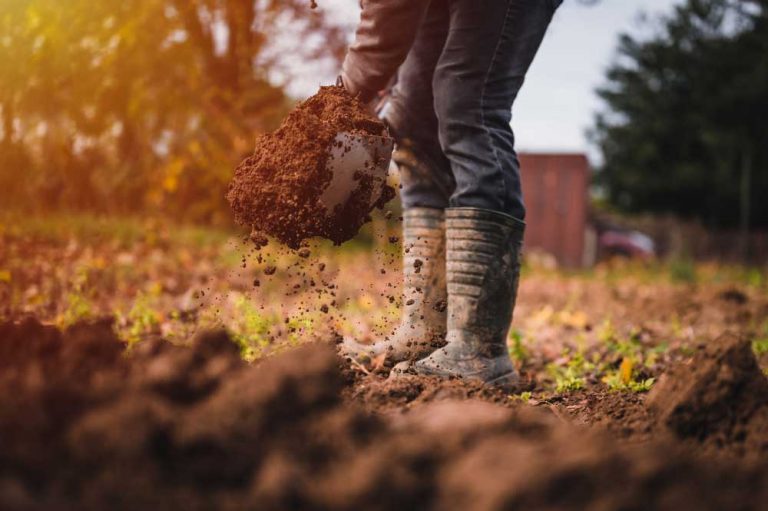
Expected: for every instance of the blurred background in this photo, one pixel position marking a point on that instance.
(642, 123)
(641, 129)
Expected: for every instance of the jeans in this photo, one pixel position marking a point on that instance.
(452, 103)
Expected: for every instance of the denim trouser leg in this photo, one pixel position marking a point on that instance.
(452, 104)
(411, 115)
(489, 47)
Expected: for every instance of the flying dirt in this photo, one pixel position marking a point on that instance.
(319, 175)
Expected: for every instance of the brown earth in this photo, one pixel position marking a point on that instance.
(86, 424)
(276, 191)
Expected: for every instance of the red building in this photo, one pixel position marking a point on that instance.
(555, 187)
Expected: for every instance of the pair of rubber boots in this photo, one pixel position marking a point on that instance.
(461, 271)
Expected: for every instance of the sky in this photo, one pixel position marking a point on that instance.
(557, 103)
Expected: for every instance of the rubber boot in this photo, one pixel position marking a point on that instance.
(483, 271)
(422, 326)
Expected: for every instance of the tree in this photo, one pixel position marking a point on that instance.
(685, 126)
(129, 105)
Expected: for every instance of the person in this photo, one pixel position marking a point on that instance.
(459, 65)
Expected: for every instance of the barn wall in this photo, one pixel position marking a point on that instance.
(555, 194)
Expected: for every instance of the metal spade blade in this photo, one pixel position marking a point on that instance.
(351, 157)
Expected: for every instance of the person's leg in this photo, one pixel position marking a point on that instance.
(427, 185)
(427, 180)
(490, 45)
(489, 48)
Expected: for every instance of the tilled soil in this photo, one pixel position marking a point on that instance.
(277, 190)
(87, 424)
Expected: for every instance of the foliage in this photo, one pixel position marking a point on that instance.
(625, 378)
(130, 105)
(572, 375)
(142, 318)
(628, 376)
(685, 113)
(760, 344)
(252, 332)
(77, 306)
(517, 349)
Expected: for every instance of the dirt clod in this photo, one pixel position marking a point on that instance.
(277, 190)
(719, 398)
(88, 425)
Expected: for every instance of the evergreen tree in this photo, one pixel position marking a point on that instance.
(685, 129)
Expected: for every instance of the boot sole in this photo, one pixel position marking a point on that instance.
(509, 382)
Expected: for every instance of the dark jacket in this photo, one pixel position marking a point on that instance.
(383, 38)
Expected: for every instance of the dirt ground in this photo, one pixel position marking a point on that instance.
(87, 425)
(646, 386)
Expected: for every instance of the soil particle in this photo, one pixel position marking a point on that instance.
(277, 190)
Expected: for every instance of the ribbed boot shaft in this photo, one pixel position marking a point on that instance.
(483, 266)
(424, 289)
(423, 247)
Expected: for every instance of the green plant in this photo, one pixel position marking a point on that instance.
(572, 375)
(517, 349)
(142, 318)
(760, 345)
(634, 354)
(77, 306)
(252, 330)
(625, 378)
(523, 396)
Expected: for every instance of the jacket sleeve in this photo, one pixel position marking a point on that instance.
(383, 38)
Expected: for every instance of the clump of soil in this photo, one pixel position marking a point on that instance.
(277, 190)
(88, 425)
(719, 398)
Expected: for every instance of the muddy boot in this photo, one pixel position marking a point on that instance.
(422, 326)
(483, 272)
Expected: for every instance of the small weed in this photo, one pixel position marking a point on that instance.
(523, 396)
(652, 355)
(517, 349)
(141, 319)
(634, 354)
(760, 343)
(605, 332)
(571, 376)
(625, 378)
(77, 308)
(252, 331)
(760, 346)
(77, 305)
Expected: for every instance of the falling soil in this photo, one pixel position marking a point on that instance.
(88, 424)
(277, 190)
